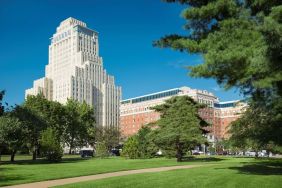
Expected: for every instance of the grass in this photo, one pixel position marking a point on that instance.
(229, 173)
(6, 158)
(25, 171)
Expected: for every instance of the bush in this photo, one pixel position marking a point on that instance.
(140, 145)
(51, 147)
(130, 148)
(102, 150)
(146, 146)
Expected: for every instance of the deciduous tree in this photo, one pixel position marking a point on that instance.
(51, 146)
(80, 124)
(12, 133)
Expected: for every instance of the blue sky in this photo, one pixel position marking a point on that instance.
(126, 31)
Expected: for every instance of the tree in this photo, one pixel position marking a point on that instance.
(2, 93)
(241, 44)
(80, 124)
(180, 128)
(101, 150)
(32, 114)
(141, 145)
(51, 146)
(130, 148)
(12, 133)
(245, 132)
(87, 119)
(2, 145)
(146, 145)
(108, 135)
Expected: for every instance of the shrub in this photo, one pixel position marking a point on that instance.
(51, 147)
(130, 148)
(102, 150)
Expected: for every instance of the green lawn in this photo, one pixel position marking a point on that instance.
(27, 171)
(230, 173)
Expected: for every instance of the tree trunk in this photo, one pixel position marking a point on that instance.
(34, 153)
(71, 145)
(13, 155)
(256, 155)
(179, 153)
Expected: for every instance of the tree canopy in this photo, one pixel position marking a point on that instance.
(12, 133)
(180, 128)
(45, 126)
(240, 42)
(2, 93)
(241, 45)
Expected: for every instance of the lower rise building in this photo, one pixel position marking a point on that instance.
(136, 112)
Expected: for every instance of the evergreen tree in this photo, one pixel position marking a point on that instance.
(180, 128)
(241, 44)
(130, 148)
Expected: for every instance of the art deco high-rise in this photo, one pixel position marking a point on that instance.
(75, 71)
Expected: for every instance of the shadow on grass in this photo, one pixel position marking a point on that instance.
(204, 159)
(258, 169)
(43, 161)
(6, 181)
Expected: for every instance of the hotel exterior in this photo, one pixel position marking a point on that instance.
(136, 112)
(75, 71)
(224, 114)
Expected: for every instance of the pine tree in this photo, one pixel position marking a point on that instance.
(180, 128)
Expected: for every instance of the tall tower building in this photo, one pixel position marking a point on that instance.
(75, 71)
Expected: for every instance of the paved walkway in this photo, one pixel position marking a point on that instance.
(50, 183)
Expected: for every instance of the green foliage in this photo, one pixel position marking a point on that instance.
(108, 135)
(180, 128)
(12, 133)
(146, 146)
(51, 147)
(239, 40)
(130, 148)
(74, 123)
(80, 124)
(245, 132)
(241, 44)
(141, 145)
(33, 114)
(102, 150)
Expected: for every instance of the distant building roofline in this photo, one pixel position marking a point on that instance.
(150, 94)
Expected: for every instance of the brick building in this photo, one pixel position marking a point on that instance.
(136, 112)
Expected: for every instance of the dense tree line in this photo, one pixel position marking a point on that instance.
(45, 127)
(241, 44)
